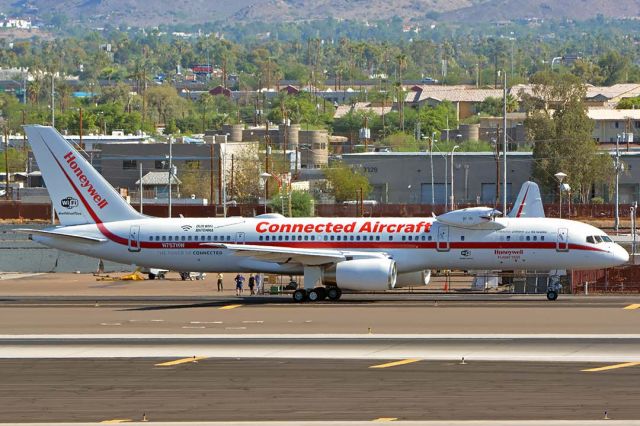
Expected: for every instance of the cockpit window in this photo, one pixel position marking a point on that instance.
(590, 239)
(598, 238)
(607, 239)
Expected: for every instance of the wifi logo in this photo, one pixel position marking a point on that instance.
(186, 227)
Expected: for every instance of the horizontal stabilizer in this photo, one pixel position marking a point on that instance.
(60, 235)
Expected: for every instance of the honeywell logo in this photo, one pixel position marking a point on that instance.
(85, 182)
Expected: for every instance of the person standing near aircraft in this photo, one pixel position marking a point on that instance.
(220, 283)
(239, 281)
(252, 284)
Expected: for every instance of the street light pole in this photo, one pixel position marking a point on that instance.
(265, 177)
(504, 145)
(452, 196)
(560, 176)
(433, 195)
(170, 169)
(617, 162)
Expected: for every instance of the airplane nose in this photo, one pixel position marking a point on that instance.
(620, 255)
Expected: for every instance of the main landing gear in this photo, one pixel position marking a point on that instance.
(317, 294)
(554, 288)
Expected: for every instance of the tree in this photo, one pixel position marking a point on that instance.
(346, 182)
(301, 204)
(563, 140)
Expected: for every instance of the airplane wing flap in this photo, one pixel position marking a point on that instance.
(283, 254)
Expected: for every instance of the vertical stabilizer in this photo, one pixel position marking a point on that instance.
(529, 202)
(79, 194)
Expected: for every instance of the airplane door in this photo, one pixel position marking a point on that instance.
(134, 238)
(562, 241)
(442, 240)
(240, 236)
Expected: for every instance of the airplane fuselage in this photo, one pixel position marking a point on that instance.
(191, 244)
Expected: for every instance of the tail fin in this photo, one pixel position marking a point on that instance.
(79, 194)
(529, 202)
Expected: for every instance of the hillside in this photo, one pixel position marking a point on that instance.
(154, 12)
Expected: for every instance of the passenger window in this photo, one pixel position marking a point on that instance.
(404, 238)
(286, 238)
(542, 238)
(590, 239)
(279, 237)
(377, 237)
(208, 237)
(306, 237)
(260, 238)
(535, 238)
(528, 238)
(508, 237)
(332, 238)
(150, 238)
(390, 237)
(357, 237)
(461, 237)
(313, 238)
(267, 237)
(430, 238)
(228, 237)
(189, 238)
(157, 238)
(325, 238)
(410, 238)
(164, 238)
(300, 237)
(170, 238)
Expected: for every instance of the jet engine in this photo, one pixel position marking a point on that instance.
(362, 274)
(413, 279)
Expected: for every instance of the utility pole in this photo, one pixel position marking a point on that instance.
(232, 175)
(211, 174)
(81, 145)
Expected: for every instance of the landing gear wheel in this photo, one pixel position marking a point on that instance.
(322, 293)
(299, 296)
(313, 295)
(334, 293)
(552, 295)
(152, 276)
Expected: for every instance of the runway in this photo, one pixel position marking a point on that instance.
(355, 314)
(76, 350)
(493, 347)
(296, 390)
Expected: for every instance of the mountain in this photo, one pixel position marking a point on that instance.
(154, 12)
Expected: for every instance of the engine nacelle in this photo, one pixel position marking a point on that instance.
(473, 216)
(413, 279)
(362, 274)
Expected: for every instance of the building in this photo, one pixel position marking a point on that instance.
(465, 99)
(405, 177)
(609, 124)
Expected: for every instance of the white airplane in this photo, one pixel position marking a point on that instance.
(332, 253)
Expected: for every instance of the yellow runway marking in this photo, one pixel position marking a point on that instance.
(613, 367)
(114, 421)
(384, 419)
(396, 363)
(634, 306)
(226, 308)
(181, 361)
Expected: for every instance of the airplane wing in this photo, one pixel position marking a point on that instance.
(309, 257)
(60, 235)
